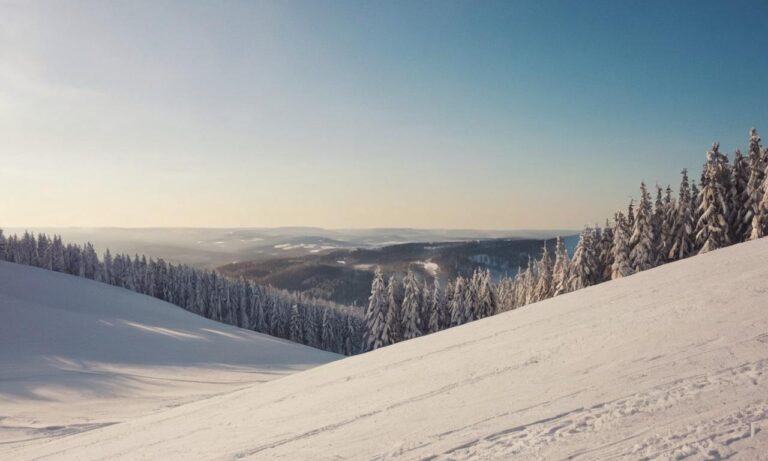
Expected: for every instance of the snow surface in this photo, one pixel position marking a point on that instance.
(77, 354)
(666, 364)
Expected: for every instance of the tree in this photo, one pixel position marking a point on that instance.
(438, 314)
(394, 311)
(580, 273)
(488, 301)
(712, 227)
(682, 243)
(560, 269)
(543, 289)
(457, 302)
(621, 266)
(642, 255)
(755, 188)
(411, 309)
(376, 328)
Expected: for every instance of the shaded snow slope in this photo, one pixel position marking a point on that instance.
(665, 364)
(77, 354)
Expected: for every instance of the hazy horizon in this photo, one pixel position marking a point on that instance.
(360, 115)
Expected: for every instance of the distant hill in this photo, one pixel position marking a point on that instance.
(345, 276)
(212, 247)
(76, 354)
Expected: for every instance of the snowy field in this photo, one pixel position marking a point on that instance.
(76, 355)
(666, 364)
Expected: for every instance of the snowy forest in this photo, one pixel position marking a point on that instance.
(291, 316)
(728, 205)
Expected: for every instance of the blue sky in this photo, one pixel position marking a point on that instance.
(365, 114)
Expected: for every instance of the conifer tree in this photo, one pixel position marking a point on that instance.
(621, 266)
(682, 244)
(394, 311)
(560, 269)
(489, 303)
(755, 187)
(712, 227)
(580, 273)
(543, 288)
(411, 309)
(642, 254)
(376, 328)
(457, 302)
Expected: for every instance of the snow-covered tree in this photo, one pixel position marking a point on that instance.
(411, 307)
(580, 273)
(560, 269)
(683, 226)
(376, 328)
(394, 311)
(543, 289)
(621, 266)
(642, 255)
(712, 227)
(457, 302)
(488, 301)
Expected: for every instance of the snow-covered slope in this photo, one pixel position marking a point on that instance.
(76, 354)
(665, 364)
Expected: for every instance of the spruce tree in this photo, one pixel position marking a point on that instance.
(376, 328)
(394, 311)
(621, 266)
(642, 255)
(580, 273)
(682, 244)
(411, 307)
(712, 227)
(543, 288)
(560, 269)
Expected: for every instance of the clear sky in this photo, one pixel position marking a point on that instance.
(512, 114)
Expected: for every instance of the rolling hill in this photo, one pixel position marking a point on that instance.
(666, 364)
(77, 354)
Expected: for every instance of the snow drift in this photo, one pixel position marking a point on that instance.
(77, 354)
(666, 364)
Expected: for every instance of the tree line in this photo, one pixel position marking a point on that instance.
(265, 309)
(728, 205)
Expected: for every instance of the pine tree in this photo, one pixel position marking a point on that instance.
(437, 312)
(560, 269)
(580, 273)
(642, 255)
(712, 227)
(394, 311)
(682, 230)
(457, 302)
(738, 222)
(376, 328)
(489, 304)
(543, 289)
(605, 253)
(621, 266)
(755, 188)
(411, 308)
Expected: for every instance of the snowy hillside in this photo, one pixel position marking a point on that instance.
(77, 354)
(665, 364)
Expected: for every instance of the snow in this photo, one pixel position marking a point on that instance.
(665, 364)
(77, 354)
(431, 267)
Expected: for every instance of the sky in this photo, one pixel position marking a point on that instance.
(353, 114)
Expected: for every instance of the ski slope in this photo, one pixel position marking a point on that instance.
(666, 364)
(77, 354)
